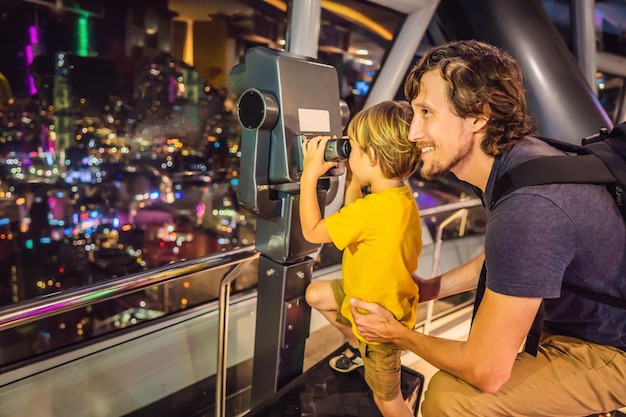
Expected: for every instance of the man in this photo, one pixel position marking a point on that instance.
(470, 119)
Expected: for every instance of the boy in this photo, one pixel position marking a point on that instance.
(380, 235)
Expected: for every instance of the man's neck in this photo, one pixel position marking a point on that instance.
(475, 168)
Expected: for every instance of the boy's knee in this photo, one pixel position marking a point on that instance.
(311, 295)
(308, 294)
(320, 296)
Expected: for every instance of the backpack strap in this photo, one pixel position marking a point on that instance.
(595, 296)
(606, 151)
(578, 169)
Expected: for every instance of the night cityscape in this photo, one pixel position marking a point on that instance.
(105, 174)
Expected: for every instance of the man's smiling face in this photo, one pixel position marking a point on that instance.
(444, 138)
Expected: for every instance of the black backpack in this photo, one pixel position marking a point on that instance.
(601, 159)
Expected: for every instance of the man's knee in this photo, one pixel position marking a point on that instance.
(443, 397)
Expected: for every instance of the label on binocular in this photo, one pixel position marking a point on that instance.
(314, 120)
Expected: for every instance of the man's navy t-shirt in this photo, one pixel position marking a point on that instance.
(538, 236)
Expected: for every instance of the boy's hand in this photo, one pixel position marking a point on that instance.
(313, 153)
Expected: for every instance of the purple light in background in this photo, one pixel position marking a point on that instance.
(29, 60)
(34, 40)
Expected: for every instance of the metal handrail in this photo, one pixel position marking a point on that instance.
(461, 214)
(472, 202)
(37, 309)
(222, 337)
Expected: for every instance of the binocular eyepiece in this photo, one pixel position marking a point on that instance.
(337, 150)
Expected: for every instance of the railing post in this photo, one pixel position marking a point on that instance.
(462, 214)
(222, 339)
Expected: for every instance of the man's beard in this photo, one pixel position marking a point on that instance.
(438, 169)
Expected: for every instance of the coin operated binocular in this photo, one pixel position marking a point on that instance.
(283, 97)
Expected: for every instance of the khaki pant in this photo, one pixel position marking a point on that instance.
(569, 377)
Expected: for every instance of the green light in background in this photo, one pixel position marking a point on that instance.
(98, 294)
(83, 36)
(29, 243)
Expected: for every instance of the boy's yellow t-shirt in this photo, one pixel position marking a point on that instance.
(381, 239)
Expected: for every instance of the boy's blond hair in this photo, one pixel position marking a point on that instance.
(384, 128)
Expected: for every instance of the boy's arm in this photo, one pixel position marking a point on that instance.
(313, 225)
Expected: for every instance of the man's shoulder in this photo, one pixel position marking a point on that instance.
(564, 196)
(529, 148)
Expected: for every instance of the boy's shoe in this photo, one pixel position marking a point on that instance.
(344, 363)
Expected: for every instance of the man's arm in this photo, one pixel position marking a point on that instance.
(485, 360)
(455, 281)
(313, 225)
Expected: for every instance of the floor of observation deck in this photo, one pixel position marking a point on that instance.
(322, 392)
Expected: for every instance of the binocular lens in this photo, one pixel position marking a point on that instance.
(337, 150)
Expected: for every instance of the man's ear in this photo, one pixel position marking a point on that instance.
(480, 122)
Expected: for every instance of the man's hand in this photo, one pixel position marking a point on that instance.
(373, 322)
